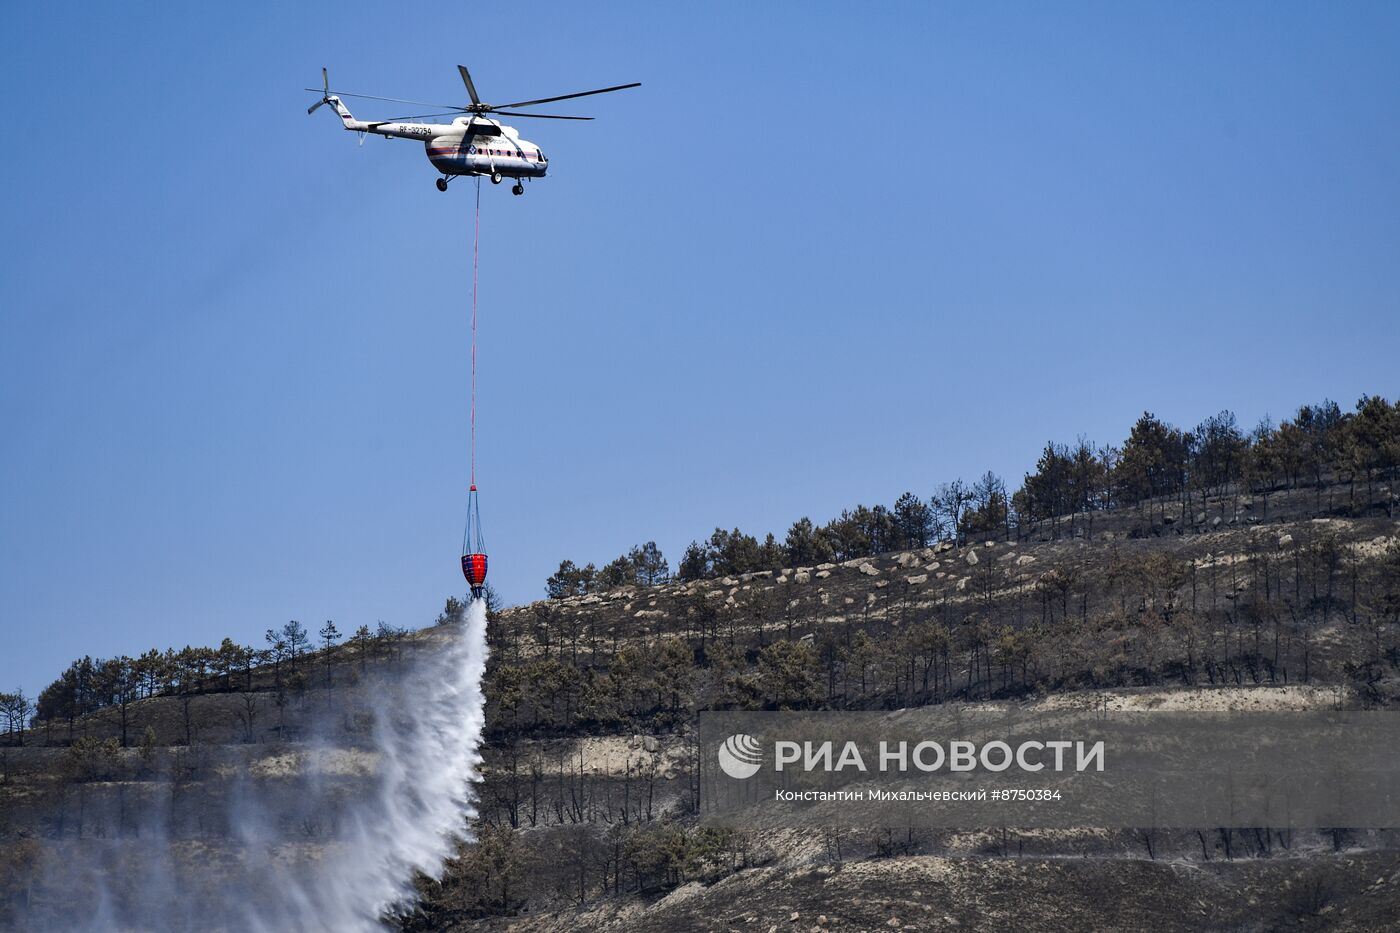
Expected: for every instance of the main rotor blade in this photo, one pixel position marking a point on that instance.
(467, 80)
(545, 100)
(542, 116)
(396, 100)
(420, 116)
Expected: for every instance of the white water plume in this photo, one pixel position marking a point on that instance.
(410, 823)
(323, 833)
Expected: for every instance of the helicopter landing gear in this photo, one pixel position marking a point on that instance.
(495, 178)
(517, 189)
(442, 184)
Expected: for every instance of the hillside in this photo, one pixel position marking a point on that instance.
(1139, 609)
(586, 799)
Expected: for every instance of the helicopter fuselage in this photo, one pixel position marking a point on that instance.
(466, 146)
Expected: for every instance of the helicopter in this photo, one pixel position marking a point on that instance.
(475, 144)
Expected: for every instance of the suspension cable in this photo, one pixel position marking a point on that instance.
(472, 542)
(476, 252)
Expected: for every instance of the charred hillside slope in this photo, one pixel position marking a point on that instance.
(1285, 597)
(591, 772)
(1129, 601)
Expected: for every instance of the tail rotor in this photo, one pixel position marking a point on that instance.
(325, 95)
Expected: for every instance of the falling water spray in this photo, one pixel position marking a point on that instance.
(421, 801)
(325, 831)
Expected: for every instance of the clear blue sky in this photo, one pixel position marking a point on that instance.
(822, 256)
